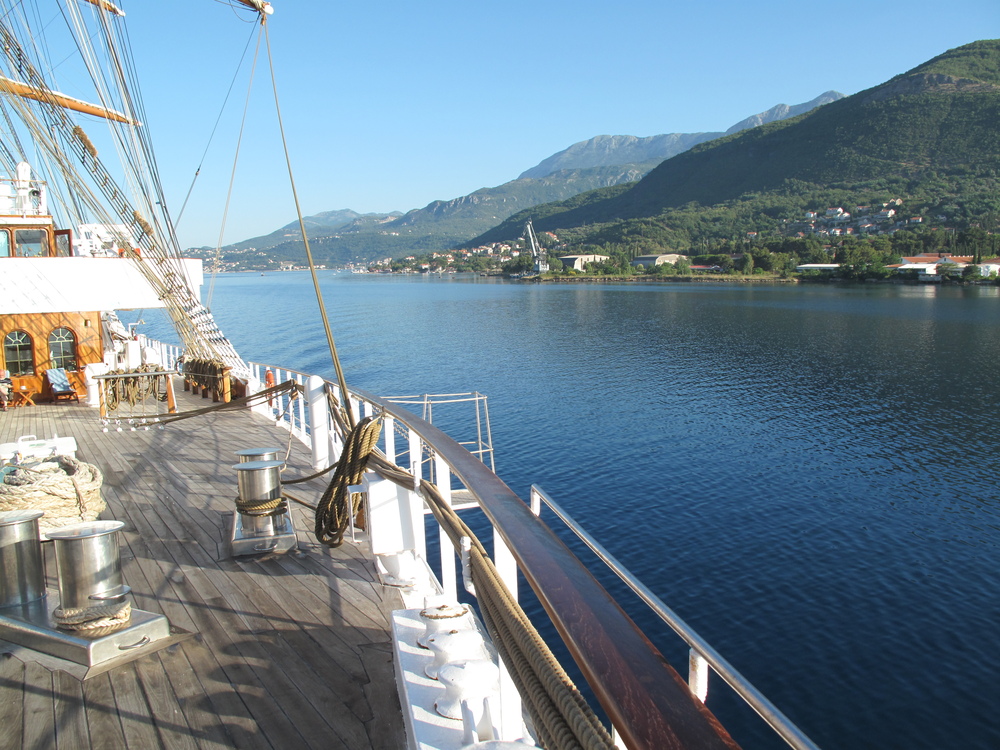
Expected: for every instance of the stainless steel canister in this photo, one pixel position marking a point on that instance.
(88, 564)
(22, 567)
(258, 481)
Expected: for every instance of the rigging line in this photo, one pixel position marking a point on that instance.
(135, 140)
(203, 337)
(215, 128)
(344, 394)
(235, 7)
(144, 133)
(232, 177)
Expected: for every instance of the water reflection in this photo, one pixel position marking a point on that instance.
(804, 472)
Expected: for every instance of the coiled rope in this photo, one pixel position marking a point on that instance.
(338, 505)
(135, 389)
(94, 621)
(68, 490)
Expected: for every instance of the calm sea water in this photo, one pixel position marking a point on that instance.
(807, 475)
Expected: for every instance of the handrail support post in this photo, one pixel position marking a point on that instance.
(319, 421)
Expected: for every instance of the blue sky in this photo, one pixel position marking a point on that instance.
(390, 105)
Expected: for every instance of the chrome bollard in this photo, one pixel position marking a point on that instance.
(22, 567)
(88, 564)
(259, 481)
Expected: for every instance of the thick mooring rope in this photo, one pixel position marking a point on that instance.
(68, 490)
(338, 506)
(259, 507)
(289, 386)
(94, 621)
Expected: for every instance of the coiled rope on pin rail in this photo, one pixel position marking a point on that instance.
(338, 506)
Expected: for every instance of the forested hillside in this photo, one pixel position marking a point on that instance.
(930, 137)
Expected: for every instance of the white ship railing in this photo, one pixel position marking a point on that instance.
(701, 655)
(428, 460)
(520, 545)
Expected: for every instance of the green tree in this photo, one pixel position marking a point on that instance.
(971, 273)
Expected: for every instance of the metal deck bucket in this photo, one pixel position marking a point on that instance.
(258, 454)
(259, 480)
(22, 568)
(88, 564)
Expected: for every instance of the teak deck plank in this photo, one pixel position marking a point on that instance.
(102, 713)
(70, 714)
(39, 714)
(137, 720)
(12, 699)
(166, 712)
(288, 650)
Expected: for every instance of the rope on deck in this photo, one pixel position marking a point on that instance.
(94, 621)
(67, 490)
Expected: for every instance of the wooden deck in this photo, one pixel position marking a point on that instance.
(289, 650)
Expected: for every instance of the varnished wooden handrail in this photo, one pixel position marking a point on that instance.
(648, 702)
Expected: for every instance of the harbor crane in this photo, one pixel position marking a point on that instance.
(537, 252)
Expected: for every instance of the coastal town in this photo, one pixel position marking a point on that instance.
(823, 237)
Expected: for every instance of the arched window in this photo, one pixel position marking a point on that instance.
(62, 349)
(19, 353)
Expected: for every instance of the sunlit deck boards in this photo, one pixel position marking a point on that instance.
(289, 651)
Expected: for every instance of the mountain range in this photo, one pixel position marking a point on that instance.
(344, 236)
(610, 150)
(930, 136)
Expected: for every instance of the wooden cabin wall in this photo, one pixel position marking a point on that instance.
(86, 327)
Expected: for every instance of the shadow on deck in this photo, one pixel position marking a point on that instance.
(289, 650)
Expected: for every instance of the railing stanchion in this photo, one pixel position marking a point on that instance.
(511, 724)
(536, 501)
(320, 438)
(416, 469)
(389, 438)
(698, 675)
(449, 581)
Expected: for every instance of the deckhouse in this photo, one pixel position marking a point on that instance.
(57, 304)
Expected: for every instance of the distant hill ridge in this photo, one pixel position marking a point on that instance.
(345, 236)
(931, 133)
(608, 150)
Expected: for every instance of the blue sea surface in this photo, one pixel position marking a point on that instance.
(806, 474)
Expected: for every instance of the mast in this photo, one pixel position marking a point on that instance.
(150, 243)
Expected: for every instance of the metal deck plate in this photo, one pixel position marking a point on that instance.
(244, 541)
(31, 625)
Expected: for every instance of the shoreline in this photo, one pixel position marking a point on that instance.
(663, 280)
